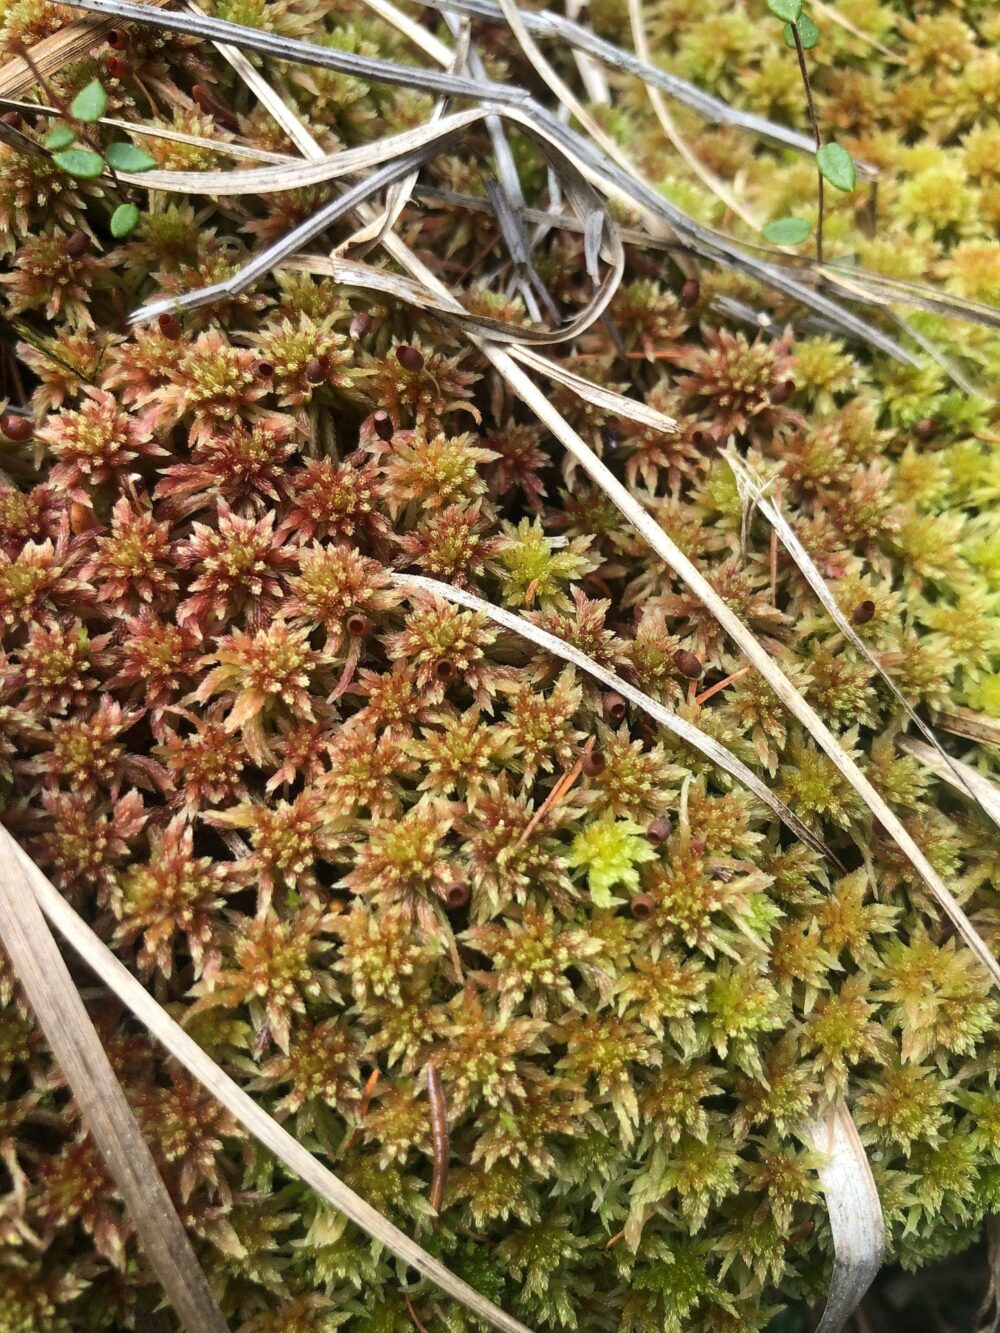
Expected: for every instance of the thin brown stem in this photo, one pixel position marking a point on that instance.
(86, 132)
(814, 122)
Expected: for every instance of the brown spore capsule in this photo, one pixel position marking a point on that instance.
(77, 244)
(863, 612)
(360, 324)
(119, 67)
(264, 370)
(641, 906)
(17, 428)
(457, 895)
(382, 423)
(925, 429)
(409, 358)
(690, 293)
(12, 118)
(315, 371)
(659, 831)
(614, 706)
(358, 624)
(688, 665)
(170, 327)
(782, 392)
(119, 39)
(593, 764)
(444, 670)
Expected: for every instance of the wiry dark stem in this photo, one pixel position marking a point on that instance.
(814, 122)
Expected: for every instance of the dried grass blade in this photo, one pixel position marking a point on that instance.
(753, 492)
(293, 174)
(963, 777)
(878, 289)
(616, 404)
(545, 23)
(268, 97)
(686, 731)
(263, 263)
(420, 37)
(221, 146)
(369, 69)
(973, 726)
(832, 13)
(80, 1055)
(855, 1211)
(267, 1131)
(398, 196)
(655, 95)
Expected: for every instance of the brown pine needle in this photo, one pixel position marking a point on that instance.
(720, 685)
(555, 795)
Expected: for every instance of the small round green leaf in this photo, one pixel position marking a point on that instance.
(90, 103)
(124, 220)
(836, 165)
(79, 162)
(127, 157)
(786, 10)
(59, 138)
(808, 33)
(787, 231)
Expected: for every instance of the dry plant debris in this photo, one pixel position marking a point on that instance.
(464, 589)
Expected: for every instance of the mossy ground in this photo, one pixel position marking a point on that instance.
(257, 768)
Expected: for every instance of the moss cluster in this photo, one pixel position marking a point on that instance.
(307, 808)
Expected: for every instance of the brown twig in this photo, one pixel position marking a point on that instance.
(556, 794)
(421, 1328)
(720, 685)
(439, 1135)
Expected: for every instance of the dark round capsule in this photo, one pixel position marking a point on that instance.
(659, 831)
(170, 327)
(925, 429)
(316, 369)
(593, 764)
(782, 392)
(77, 244)
(358, 624)
(12, 118)
(409, 358)
(690, 293)
(614, 706)
(863, 612)
(642, 906)
(697, 438)
(457, 895)
(119, 67)
(16, 427)
(264, 370)
(119, 39)
(688, 665)
(360, 324)
(384, 428)
(444, 670)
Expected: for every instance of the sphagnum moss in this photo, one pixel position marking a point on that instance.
(304, 807)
